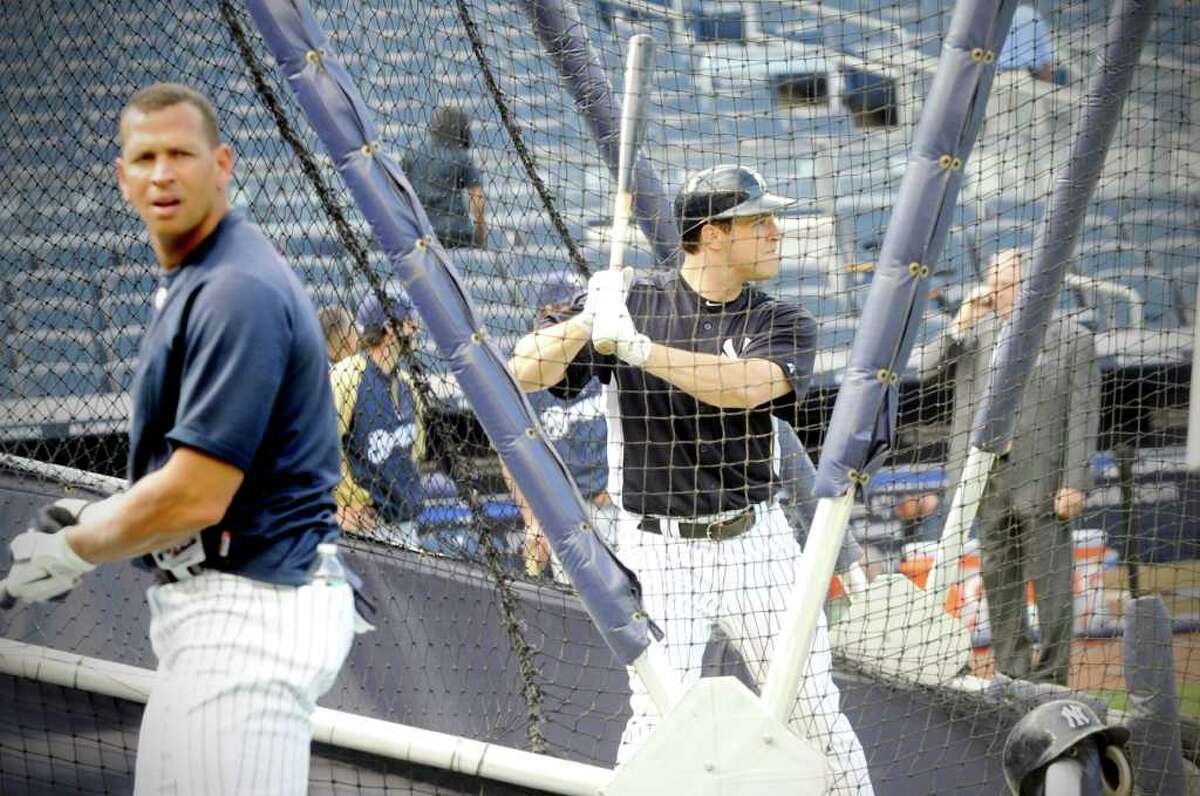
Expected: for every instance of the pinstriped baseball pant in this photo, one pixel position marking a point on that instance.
(241, 664)
(742, 585)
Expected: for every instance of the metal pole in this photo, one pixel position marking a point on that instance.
(804, 607)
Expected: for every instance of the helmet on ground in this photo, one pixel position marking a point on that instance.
(1051, 729)
(725, 192)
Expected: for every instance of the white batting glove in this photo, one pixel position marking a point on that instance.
(44, 566)
(631, 346)
(606, 290)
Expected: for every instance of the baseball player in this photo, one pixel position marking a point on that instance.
(380, 420)
(578, 429)
(233, 460)
(703, 362)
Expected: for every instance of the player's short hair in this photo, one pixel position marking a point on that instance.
(158, 96)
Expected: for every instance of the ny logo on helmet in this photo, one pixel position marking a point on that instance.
(1075, 716)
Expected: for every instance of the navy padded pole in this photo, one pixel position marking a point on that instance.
(863, 425)
(335, 109)
(562, 33)
(1021, 338)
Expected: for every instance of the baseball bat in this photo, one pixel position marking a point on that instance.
(633, 128)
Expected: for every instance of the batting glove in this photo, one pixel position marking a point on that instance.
(606, 290)
(44, 566)
(631, 346)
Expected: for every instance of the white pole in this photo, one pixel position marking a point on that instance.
(655, 672)
(1193, 436)
(346, 730)
(805, 605)
(967, 495)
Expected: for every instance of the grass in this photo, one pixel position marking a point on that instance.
(1189, 699)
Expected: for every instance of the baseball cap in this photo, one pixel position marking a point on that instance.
(559, 288)
(372, 317)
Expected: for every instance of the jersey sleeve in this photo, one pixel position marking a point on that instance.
(588, 363)
(236, 345)
(787, 336)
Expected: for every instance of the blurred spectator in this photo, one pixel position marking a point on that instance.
(578, 429)
(381, 426)
(1039, 484)
(1028, 45)
(440, 169)
(341, 337)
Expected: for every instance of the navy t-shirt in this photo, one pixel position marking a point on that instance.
(439, 175)
(233, 364)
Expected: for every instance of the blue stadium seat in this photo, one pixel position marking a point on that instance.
(121, 374)
(61, 314)
(46, 346)
(48, 283)
(127, 310)
(58, 380)
(120, 344)
(131, 279)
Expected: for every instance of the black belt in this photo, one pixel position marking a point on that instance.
(167, 576)
(717, 531)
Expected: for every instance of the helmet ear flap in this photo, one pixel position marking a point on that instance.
(1117, 772)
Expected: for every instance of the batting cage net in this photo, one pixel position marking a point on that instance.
(697, 469)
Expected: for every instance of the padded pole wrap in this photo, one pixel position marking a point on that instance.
(336, 111)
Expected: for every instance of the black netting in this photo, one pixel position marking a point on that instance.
(821, 100)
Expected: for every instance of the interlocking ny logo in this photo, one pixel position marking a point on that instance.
(1075, 716)
(728, 350)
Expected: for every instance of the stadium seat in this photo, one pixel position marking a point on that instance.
(121, 374)
(58, 380)
(127, 310)
(63, 314)
(134, 279)
(120, 344)
(47, 346)
(48, 283)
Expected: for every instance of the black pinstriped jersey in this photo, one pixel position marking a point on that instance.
(679, 457)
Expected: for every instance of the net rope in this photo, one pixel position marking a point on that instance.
(483, 637)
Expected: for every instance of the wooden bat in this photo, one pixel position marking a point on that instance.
(638, 61)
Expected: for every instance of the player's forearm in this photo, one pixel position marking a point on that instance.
(720, 381)
(541, 357)
(158, 512)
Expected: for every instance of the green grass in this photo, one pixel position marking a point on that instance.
(1189, 699)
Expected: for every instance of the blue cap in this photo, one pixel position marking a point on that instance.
(372, 318)
(559, 288)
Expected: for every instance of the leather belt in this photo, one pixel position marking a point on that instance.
(717, 531)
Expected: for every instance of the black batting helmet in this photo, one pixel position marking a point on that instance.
(1049, 730)
(724, 192)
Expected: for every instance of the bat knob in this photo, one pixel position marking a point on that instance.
(605, 347)
(6, 600)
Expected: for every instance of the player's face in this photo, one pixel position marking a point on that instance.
(173, 176)
(754, 247)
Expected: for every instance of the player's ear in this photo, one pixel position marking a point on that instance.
(712, 236)
(224, 158)
(119, 167)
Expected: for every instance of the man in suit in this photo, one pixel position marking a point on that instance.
(1039, 484)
